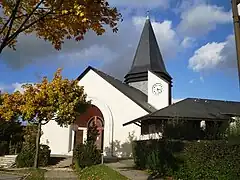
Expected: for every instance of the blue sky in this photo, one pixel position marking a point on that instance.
(195, 38)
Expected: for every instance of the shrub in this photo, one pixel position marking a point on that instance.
(87, 154)
(26, 157)
(11, 137)
(189, 160)
(3, 148)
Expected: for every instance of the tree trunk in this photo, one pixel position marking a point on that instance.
(37, 145)
(1, 49)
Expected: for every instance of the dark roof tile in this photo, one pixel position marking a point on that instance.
(194, 108)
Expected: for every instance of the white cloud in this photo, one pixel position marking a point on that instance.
(200, 18)
(214, 55)
(191, 81)
(18, 87)
(4, 88)
(188, 42)
(93, 53)
(201, 79)
(11, 87)
(140, 3)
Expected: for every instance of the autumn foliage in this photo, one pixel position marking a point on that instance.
(60, 100)
(55, 20)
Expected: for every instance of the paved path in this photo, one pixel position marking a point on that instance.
(126, 168)
(6, 176)
(61, 174)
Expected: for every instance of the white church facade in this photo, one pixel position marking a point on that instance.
(147, 87)
(118, 107)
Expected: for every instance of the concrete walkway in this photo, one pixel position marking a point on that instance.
(61, 174)
(6, 176)
(61, 171)
(126, 168)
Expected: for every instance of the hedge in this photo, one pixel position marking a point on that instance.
(189, 160)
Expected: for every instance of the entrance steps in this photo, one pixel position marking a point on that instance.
(7, 161)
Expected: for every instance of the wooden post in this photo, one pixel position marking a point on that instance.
(237, 32)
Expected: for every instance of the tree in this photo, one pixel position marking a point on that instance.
(61, 100)
(54, 20)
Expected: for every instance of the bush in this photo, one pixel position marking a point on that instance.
(189, 160)
(26, 157)
(87, 154)
(3, 148)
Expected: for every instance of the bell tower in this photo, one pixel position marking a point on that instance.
(148, 69)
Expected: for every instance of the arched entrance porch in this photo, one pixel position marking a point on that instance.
(92, 116)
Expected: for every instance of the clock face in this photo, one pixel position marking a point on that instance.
(157, 88)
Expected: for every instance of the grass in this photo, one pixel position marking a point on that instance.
(99, 172)
(31, 174)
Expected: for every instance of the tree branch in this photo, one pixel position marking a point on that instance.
(13, 15)
(14, 35)
(21, 29)
(5, 25)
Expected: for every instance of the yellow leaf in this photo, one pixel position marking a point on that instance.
(84, 20)
(64, 11)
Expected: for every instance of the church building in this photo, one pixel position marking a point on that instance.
(120, 108)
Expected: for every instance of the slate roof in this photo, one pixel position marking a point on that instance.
(193, 108)
(134, 94)
(147, 56)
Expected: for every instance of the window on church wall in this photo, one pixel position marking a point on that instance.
(152, 128)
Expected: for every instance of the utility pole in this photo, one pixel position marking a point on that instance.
(236, 24)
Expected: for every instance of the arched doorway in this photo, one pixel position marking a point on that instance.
(98, 122)
(92, 115)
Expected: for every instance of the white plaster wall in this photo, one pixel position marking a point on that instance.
(141, 85)
(56, 137)
(158, 101)
(115, 107)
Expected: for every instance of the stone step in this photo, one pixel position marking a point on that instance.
(7, 161)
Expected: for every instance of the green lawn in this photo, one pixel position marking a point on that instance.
(99, 172)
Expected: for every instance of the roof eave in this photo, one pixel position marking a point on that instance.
(148, 117)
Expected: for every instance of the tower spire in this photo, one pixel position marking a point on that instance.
(147, 57)
(148, 15)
